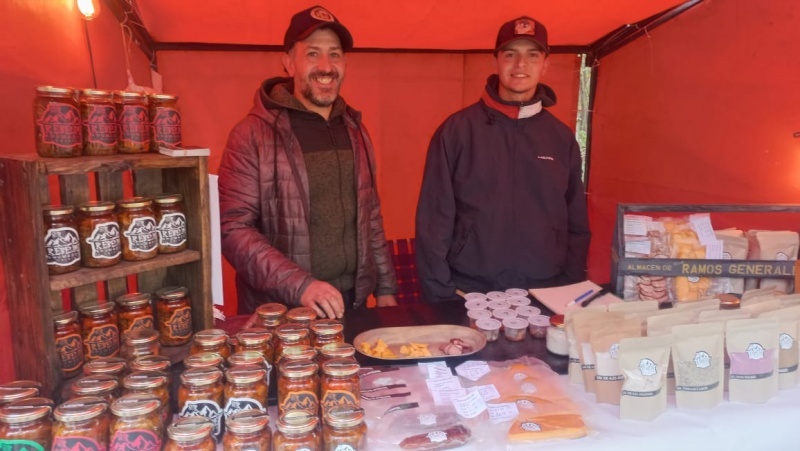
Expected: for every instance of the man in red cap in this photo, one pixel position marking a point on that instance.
(300, 216)
(502, 203)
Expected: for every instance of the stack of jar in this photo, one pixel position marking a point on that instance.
(94, 122)
(103, 233)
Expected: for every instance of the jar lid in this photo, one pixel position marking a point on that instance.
(97, 206)
(57, 210)
(245, 358)
(135, 202)
(557, 321)
(476, 304)
(12, 414)
(475, 296)
(133, 299)
(190, 429)
(297, 422)
(96, 384)
(201, 376)
(479, 314)
(301, 314)
(245, 374)
(151, 363)
(729, 301)
(139, 337)
(98, 309)
(105, 365)
(518, 301)
(80, 409)
(504, 313)
(498, 304)
(130, 95)
(291, 332)
(338, 350)
(167, 199)
(172, 292)
(143, 380)
(254, 336)
(298, 368)
(517, 292)
(65, 318)
(340, 367)
(326, 327)
(56, 90)
(298, 352)
(163, 97)
(515, 323)
(36, 401)
(211, 337)
(528, 311)
(203, 360)
(539, 321)
(488, 324)
(497, 295)
(15, 390)
(249, 421)
(135, 405)
(344, 416)
(100, 93)
(272, 310)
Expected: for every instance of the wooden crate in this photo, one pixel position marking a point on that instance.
(34, 296)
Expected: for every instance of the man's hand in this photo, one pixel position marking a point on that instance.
(324, 299)
(386, 300)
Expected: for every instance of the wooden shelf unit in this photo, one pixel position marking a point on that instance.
(34, 296)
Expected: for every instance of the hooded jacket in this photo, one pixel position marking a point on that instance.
(265, 208)
(502, 203)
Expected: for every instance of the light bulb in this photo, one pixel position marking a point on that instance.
(88, 8)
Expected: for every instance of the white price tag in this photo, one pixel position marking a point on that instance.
(714, 250)
(487, 392)
(636, 225)
(499, 413)
(439, 372)
(469, 406)
(444, 397)
(701, 224)
(638, 247)
(444, 383)
(473, 369)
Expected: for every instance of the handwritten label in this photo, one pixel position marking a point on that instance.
(487, 392)
(701, 224)
(638, 247)
(469, 406)
(473, 369)
(499, 413)
(636, 225)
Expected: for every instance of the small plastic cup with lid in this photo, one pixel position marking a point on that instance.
(538, 325)
(517, 292)
(490, 327)
(515, 328)
(518, 301)
(476, 304)
(497, 296)
(528, 311)
(503, 313)
(499, 304)
(475, 315)
(475, 296)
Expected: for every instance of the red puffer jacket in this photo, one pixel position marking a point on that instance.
(264, 209)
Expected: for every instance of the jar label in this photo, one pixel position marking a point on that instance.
(300, 400)
(140, 323)
(180, 323)
(344, 447)
(167, 127)
(142, 234)
(60, 125)
(138, 439)
(76, 443)
(204, 408)
(20, 445)
(172, 229)
(334, 398)
(133, 124)
(105, 241)
(239, 404)
(62, 246)
(101, 125)
(70, 351)
(102, 341)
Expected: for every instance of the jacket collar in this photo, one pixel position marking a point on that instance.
(543, 97)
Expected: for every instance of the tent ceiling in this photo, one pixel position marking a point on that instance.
(408, 24)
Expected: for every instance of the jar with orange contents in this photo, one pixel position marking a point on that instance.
(248, 358)
(58, 122)
(298, 353)
(136, 423)
(135, 312)
(340, 385)
(290, 334)
(255, 339)
(301, 315)
(153, 383)
(99, 329)
(204, 360)
(335, 351)
(201, 394)
(246, 389)
(298, 387)
(26, 427)
(16, 390)
(100, 385)
(134, 122)
(69, 345)
(98, 229)
(247, 430)
(270, 316)
(165, 120)
(160, 363)
(171, 220)
(140, 343)
(190, 434)
(211, 340)
(326, 331)
(137, 222)
(99, 120)
(112, 366)
(81, 423)
(174, 315)
(344, 428)
(62, 246)
(297, 431)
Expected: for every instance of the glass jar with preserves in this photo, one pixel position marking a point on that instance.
(298, 353)
(297, 431)
(113, 366)
(165, 119)
(99, 120)
(174, 314)
(340, 385)
(69, 344)
(26, 427)
(16, 390)
(201, 394)
(98, 229)
(57, 122)
(140, 343)
(171, 220)
(301, 315)
(255, 339)
(298, 387)
(335, 351)
(62, 245)
(290, 334)
(204, 360)
(137, 221)
(135, 312)
(134, 122)
(136, 424)
(270, 316)
(153, 383)
(247, 430)
(246, 389)
(100, 385)
(190, 434)
(81, 424)
(211, 340)
(248, 358)
(160, 363)
(325, 331)
(99, 330)
(344, 428)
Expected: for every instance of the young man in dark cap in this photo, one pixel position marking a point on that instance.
(502, 203)
(300, 216)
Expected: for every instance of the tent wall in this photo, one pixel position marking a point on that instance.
(44, 43)
(700, 111)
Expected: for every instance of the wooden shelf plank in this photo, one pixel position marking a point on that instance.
(110, 163)
(85, 276)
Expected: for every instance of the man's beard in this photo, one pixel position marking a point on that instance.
(308, 92)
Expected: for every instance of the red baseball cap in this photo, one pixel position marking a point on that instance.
(310, 20)
(522, 28)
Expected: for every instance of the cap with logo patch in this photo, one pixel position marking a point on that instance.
(522, 28)
(310, 20)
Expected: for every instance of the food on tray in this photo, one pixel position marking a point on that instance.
(452, 437)
(456, 346)
(380, 350)
(416, 350)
